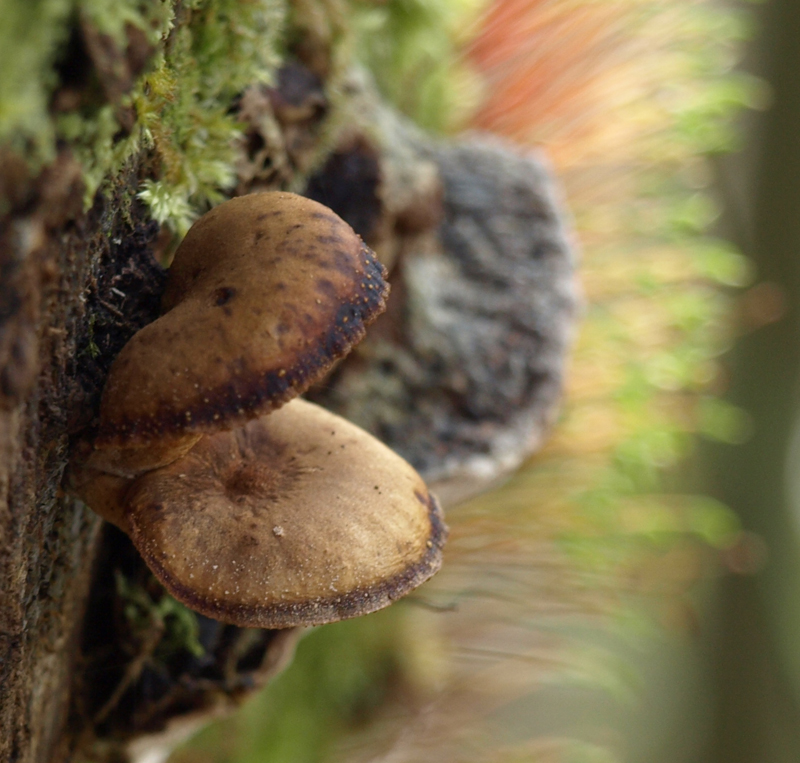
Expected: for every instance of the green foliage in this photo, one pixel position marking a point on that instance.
(663, 398)
(340, 674)
(724, 422)
(411, 48)
(176, 624)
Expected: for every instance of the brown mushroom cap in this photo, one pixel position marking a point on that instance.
(297, 518)
(265, 293)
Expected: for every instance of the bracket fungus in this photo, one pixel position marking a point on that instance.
(248, 514)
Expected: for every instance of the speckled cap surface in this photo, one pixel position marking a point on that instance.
(265, 293)
(297, 518)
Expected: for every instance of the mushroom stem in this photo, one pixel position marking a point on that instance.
(131, 461)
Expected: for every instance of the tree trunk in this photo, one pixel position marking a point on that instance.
(55, 258)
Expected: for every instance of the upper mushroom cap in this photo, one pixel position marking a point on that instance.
(265, 293)
(297, 518)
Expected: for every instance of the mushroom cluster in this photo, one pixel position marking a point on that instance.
(249, 505)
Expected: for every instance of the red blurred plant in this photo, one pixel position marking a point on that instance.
(545, 65)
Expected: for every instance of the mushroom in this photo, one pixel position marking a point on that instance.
(296, 518)
(264, 294)
(248, 514)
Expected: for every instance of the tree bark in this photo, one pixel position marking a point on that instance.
(53, 258)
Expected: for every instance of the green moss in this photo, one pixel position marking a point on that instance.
(33, 37)
(30, 36)
(202, 58)
(112, 16)
(218, 48)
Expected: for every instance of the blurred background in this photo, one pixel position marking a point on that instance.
(633, 593)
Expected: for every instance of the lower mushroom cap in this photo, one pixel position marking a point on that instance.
(297, 518)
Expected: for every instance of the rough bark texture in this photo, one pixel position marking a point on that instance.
(59, 332)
